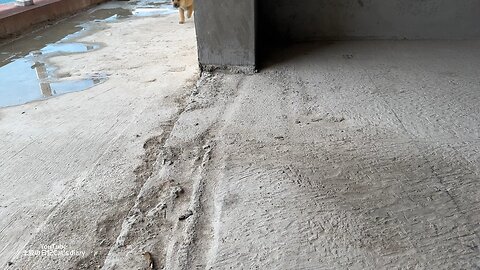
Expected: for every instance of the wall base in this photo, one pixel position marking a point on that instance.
(229, 68)
(16, 19)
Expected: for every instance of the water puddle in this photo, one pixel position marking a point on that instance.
(29, 78)
(146, 8)
(26, 76)
(153, 8)
(152, 11)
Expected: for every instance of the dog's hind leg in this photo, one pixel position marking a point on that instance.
(190, 11)
(181, 12)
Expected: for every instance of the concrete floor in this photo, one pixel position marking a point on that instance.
(347, 155)
(72, 165)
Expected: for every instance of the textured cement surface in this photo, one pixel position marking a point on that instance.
(347, 155)
(359, 155)
(350, 155)
(71, 166)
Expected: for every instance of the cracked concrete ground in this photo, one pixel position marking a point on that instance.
(346, 155)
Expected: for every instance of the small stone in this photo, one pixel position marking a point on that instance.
(338, 119)
(177, 191)
(186, 215)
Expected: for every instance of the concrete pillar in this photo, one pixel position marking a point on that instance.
(226, 34)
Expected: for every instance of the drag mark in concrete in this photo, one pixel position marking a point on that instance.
(167, 163)
(157, 157)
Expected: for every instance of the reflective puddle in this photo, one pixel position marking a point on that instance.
(152, 11)
(26, 76)
(30, 78)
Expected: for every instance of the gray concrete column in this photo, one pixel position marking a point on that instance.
(226, 34)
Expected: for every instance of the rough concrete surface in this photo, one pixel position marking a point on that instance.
(353, 155)
(72, 166)
(347, 155)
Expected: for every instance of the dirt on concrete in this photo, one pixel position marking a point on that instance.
(320, 161)
(73, 166)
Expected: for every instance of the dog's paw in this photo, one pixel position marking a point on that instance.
(181, 22)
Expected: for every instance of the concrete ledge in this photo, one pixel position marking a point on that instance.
(15, 19)
(24, 3)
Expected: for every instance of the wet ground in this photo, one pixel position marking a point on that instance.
(71, 159)
(25, 72)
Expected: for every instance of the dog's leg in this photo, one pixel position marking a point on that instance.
(182, 15)
(190, 11)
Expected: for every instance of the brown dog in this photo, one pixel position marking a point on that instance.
(184, 5)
